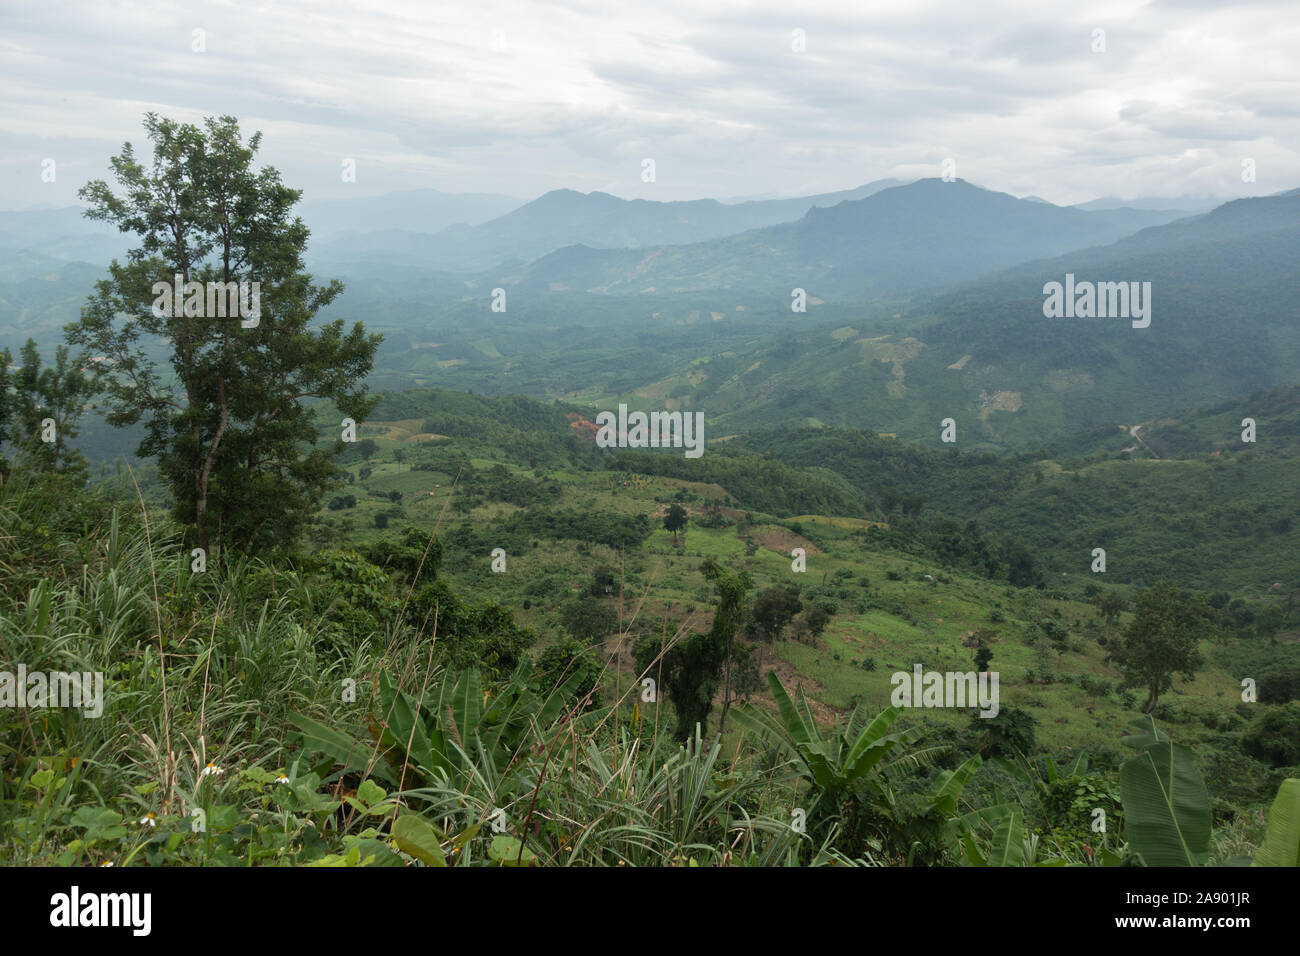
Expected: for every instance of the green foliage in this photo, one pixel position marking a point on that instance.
(675, 519)
(567, 659)
(477, 633)
(1007, 734)
(1281, 846)
(46, 405)
(1162, 640)
(514, 532)
(774, 608)
(589, 618)
(1166, 805)
(226, 422)
(1274, 735)
(855, 751)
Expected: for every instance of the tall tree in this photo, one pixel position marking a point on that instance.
(56, 395)
(738, 670)
(694, 666)
(1111, 605)
(6, 405)
(774, 608)
(1162, 640)
(675, 520)
(227, 423)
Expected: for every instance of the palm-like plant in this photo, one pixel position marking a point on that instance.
(860, 751)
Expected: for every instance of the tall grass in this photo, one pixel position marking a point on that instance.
(208, 667)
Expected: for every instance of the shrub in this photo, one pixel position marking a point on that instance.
(1273, 737)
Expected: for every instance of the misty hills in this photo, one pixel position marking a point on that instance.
(410, 210)
(898, 240)
(1224, 323)
(564, 217)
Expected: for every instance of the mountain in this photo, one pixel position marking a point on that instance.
(59, 234)
(412, 210)
(897, 240)
(1224, 323)
(39, 295)
(66, 234)
(1184, 204)
(564, 217)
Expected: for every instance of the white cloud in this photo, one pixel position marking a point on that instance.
(522, 97)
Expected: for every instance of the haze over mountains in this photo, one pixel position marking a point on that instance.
(564, 217)
(925, 301)
(474, 231)
(897, 240)
(1224, 322)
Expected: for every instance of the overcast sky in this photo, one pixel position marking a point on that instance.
(519, 98)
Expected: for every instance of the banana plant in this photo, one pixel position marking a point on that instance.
(1008, 843)
(1166, 805)
(455, 732)
(830, 764)
(1281, 846)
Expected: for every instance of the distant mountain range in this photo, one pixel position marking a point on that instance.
(411, 210)
(924, 302)
(899, 239)
(564, 217)
(1225, 322)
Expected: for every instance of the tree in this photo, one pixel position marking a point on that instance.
(557, 667)
(56, 395)
(227, 422)
(690, 671)
(5, 404)
(1274, 735)
(738, 669)
(1161, 640)
(817, 617)
(774, 608)
(890, 499)
(675, 520)
(1270, 620)
(1009, 733)
(587, 618)
(1021, 568)
(692, 668)
(603, 581)
(1111, 606)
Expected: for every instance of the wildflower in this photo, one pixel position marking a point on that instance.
(149, 820)
(282, 779)
(211, 769)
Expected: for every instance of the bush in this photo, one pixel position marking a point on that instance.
(1274, 736)
(1280, 685)
(1011, 731)
(561, 661)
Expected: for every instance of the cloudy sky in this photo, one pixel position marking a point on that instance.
(518, 98)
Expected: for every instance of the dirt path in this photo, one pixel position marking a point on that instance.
(1133, 430)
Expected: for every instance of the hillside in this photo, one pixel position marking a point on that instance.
(900, 239)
